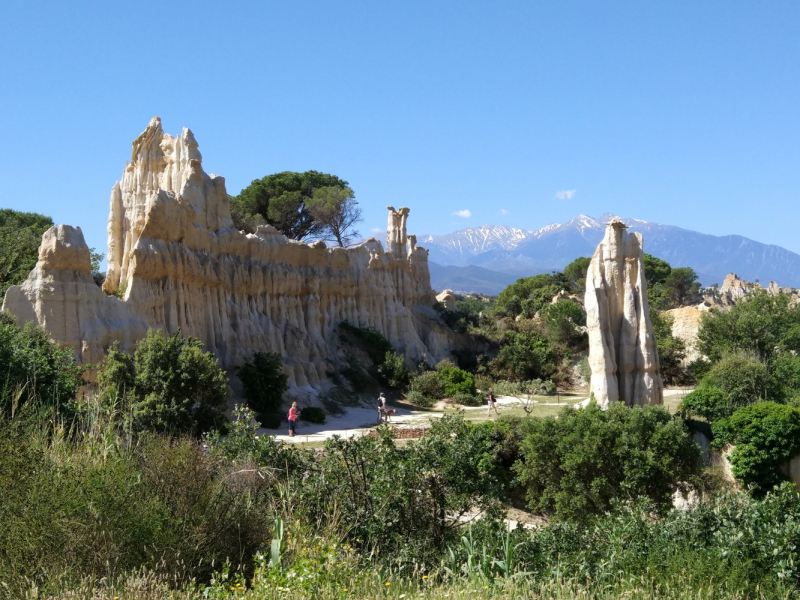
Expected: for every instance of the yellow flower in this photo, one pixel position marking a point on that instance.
(424, 576)
(388, 583)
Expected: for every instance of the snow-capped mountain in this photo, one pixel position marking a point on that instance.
(520, 252)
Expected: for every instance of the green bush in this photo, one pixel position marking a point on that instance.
(359, 381)
(708, 402)
(95, 506)
(393, 370)
(469, 399)
(741, 377)
(671, 349)
(420, 399)
(369, 339)
(562, 319)
(766, 436)
(581, 463)
(32, 368)
(759, 324)
(171, 385)
(428, 384)
(784, 383)
(523, 356)
(264, 382)
(313, 414)
(455, 381)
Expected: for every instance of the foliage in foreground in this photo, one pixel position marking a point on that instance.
(586, 460)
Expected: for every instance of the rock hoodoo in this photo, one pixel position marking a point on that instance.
(622, 346)
(175, 260)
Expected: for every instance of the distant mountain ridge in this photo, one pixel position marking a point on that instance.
(519, 252)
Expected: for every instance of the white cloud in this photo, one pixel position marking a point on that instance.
(565, 194)
(376, 230)
(464, 214)
(503, 211)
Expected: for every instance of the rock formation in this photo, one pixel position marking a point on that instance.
(447, 298)
(685, 326)
(176, 261)
(622, 346)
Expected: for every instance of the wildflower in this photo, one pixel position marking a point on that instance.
(424, 576)
(388, 583)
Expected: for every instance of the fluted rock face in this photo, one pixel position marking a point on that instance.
(622, 346)
(178, 262)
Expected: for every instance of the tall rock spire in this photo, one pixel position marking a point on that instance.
(622, 346)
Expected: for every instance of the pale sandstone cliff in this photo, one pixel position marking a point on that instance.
(685, 326)
(178, 262)
(622, 346)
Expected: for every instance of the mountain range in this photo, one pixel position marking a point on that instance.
(504, 254)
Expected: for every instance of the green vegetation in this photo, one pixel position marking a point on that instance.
(369, 339)
(300, 205)
(313, 414)
(20, 236)
(264, 382)
(33, 369)
(393, 370)
(586, 460)
(169, 383)
(766, 436)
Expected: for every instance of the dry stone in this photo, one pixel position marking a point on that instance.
(177, 261)
(622, 346)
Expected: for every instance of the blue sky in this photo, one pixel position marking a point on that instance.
(521, 113)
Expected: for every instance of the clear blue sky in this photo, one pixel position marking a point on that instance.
(685, 113)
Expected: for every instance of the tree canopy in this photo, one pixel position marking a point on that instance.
(310, 205)
(20, 236)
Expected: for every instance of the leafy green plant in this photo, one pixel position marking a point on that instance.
(708, 402)
(370, 339)
(313, 414)
(525, 355)
(455, 381)
(741, 377)
(766, 436)
(581, 463)
(393, 370)
(561, 321)
(264, 382)
(170, 383)
(33, 369)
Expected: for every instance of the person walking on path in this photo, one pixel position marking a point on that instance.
(381, 408)
(490, 397)
(292, 418)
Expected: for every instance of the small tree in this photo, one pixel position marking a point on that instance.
(336, 211)
(393, 369)
(581, 463)
(172, 386)
(264, 382)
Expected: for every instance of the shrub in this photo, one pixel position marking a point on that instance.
(369, 339)
(525, 355)
(741, 377)
(420, 399)
(264, 382)
(468, 399)
(427, 383)
(32, 368)
(561, 321)
(784, 384)
(455, 381)
(759, 324)
(313, 414)
(584, 461)
(766, 436)
(171, 385)
(393, 370)
(358, 380)
(269, 420)
(708, 402)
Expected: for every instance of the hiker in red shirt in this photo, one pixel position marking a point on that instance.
(292, 418)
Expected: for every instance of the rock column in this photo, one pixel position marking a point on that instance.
(622, 346)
